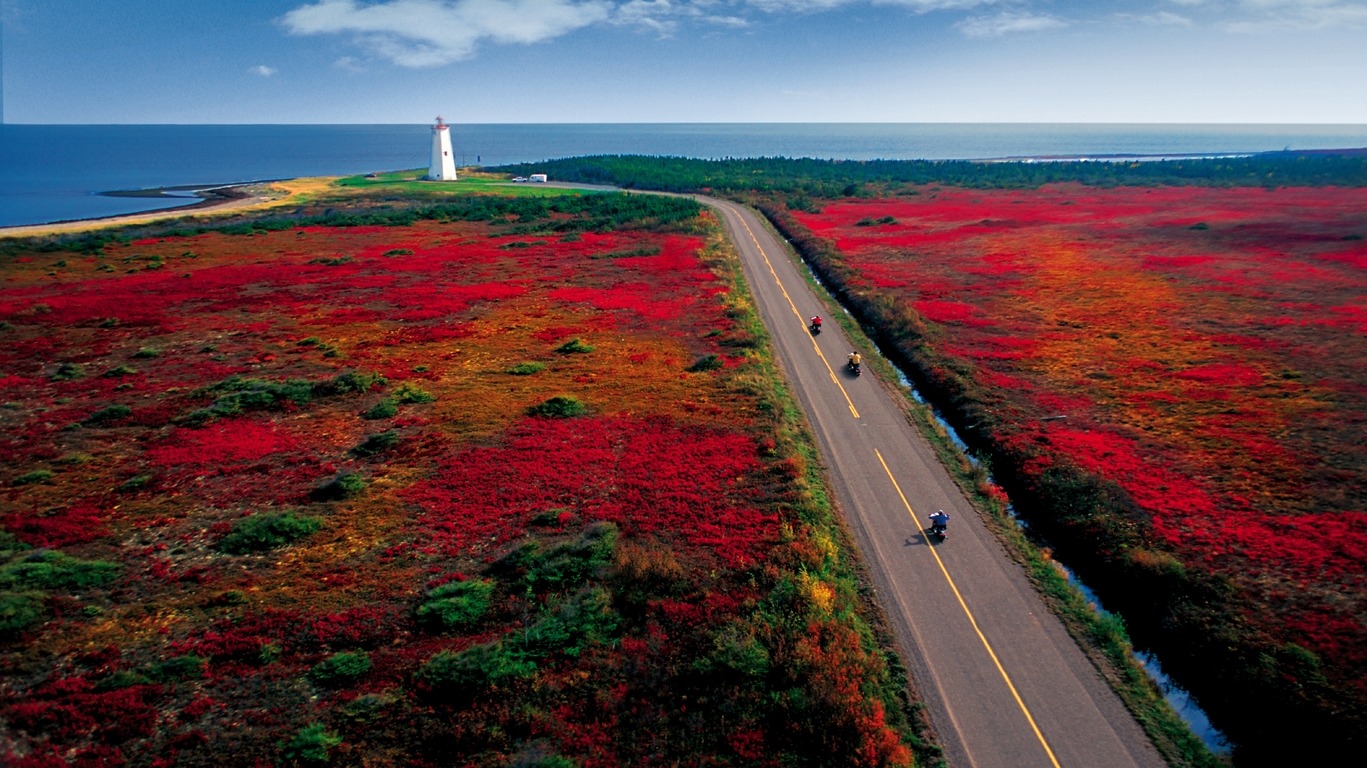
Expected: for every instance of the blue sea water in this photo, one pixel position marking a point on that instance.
(58, 172)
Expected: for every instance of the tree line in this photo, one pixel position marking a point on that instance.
(829, 178)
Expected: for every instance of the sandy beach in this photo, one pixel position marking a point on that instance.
(225, 200)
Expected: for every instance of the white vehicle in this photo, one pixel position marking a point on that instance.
(517, 179)
(538, 178)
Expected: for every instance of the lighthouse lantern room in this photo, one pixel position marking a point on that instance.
(443, 166)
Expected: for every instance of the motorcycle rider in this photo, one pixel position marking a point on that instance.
(816, 322)
(855, 360)
(939, 522)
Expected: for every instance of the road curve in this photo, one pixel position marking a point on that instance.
(1004, 684)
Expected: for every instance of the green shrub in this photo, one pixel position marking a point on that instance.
(367, 708)
(377, 443)
(559, 407)
(477, 666)
(341, 668)
(343, 486)
(350, 382)
(236, 394)
(259, 533)
(122, 678)
(456, 604)
(147, 353)
(570, 626)
(385, 409)
(18, 612)
(119, 372)
(36, 476)
(567, 566)
(708, 363)
(311, 745)
(49, 569)
(409, 393)
(178, 668)
(398, 252)
(574, 346)
(526, 369)
(547, 761)
(736, 652)
(108, 414)
(68, 372)
(133, 483)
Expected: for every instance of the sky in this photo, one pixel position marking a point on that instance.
(683, 61)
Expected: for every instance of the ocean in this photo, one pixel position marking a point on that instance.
(60, 172)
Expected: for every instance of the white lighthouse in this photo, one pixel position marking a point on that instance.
(443, 166)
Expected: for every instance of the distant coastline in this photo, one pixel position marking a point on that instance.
(161, 166)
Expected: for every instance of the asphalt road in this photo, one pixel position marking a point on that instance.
(1004, 684)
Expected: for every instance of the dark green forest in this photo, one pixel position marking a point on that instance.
(830, 178)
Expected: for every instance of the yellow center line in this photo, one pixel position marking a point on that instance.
(972, 621)
(798, 315)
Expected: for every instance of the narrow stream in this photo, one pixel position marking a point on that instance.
(1180, 700)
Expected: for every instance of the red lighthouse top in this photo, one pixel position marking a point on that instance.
(440, 125)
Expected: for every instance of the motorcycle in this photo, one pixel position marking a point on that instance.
(939, 527)
(815, 328)
(854, 368)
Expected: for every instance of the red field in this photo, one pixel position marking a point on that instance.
(1200, 349)
(531, 513)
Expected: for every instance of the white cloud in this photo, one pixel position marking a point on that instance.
(428, 33)
(1008, 22)
(262, 70)
(919, 6)
(425, 33)
(1262, 15)
(1162, 18)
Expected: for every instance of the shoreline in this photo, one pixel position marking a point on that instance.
(214, 200)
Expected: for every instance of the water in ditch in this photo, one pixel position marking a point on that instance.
(1177, 697)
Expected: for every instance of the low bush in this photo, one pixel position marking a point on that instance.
(385, 409)
(19, 611)
(48, 569)
(456, 604)
(312, 745)
(108, 414)
(568, 566)
(407, 394)
(68, 372)
(36, 476)
(341, 668)
(178, 668)
(343, 486)
(559, 407)
(707, 363)
(262, 532)
(133, 483)
(376, 443)
(478, 666)
(573, 347)
(526, 369)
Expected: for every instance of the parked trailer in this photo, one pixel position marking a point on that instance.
(537, 178)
